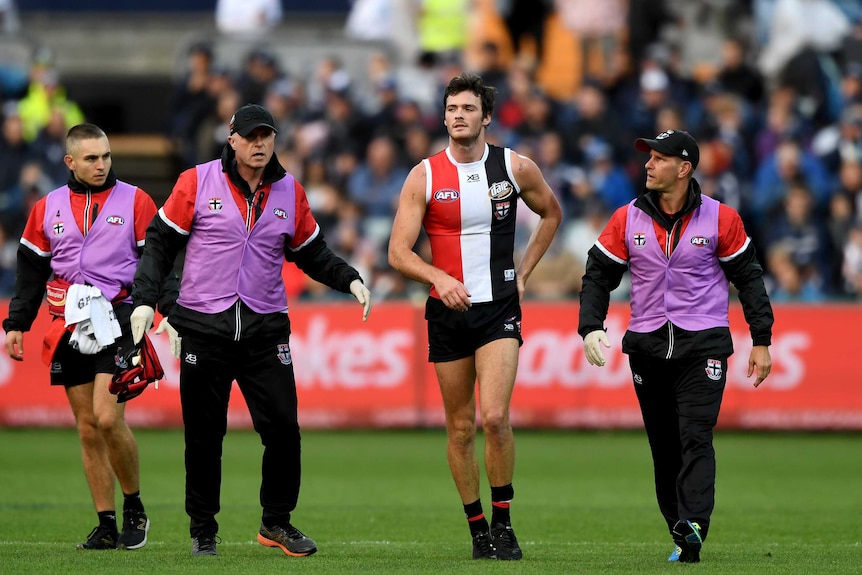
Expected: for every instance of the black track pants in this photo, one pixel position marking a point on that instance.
(264, 372)
(680, 402)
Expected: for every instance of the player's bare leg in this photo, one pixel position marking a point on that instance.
(97, 467)
(123, 453)
(457, 381)
(497, 365)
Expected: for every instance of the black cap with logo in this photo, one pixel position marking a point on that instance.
(249, 117)
(673, 143)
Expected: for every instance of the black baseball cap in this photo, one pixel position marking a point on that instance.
(673, 143)
(249, 117)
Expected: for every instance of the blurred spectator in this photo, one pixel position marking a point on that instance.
(49, 149)
(490, 66)
(375, 185)
(14, 154)
(778, 172)
(795, 25)
(803, 234)
(191, 101)
(841, 220)
(786, 282)
(526, 19)
(736, 75)
(549, 157)
(781, 123)
(282, 102)
(259, 71)
(213, 130)
(442, 27)
(247, 16)
(9, 22)
(44, 95)
(646, 19)
(599, 27)
(612, 185)
(592, 119)
(390, 21)
(851, 271)
(8, 259)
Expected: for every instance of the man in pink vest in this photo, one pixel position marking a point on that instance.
(89, 234)
(238, 218)
(683, 249)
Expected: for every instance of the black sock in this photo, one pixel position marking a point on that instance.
(132, 502)
(475, 516)
(500, 499)
(108, 519)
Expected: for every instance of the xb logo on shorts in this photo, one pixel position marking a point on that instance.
(713, 369)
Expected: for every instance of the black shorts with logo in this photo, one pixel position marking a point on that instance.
(69, 367)
(455, 335)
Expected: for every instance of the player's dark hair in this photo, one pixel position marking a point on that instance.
(83, 132)
(473, 83)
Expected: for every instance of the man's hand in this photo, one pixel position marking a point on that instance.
(362, 295)
(141, 320)
(760, 359)
(176, 340)
(593, 350)
(453, 293)
(15, 344)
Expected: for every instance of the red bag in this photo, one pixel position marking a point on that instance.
(135, 371)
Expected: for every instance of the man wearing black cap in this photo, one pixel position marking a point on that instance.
(682, 249)
(238, 218)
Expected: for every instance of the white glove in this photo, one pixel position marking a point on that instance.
(176, 340)
(362, 295)
(592, 349)
(141, 319)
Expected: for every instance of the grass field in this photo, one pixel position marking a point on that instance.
(383, 502)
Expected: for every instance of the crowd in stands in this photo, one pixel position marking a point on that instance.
(771, 89)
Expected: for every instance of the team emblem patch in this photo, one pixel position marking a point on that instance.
(59, 228)
(501, 190)
(713, 369)
(638, 379)
(115, 220)
(280, 214)
(214, 205)
(639, 239)
(446, 195)
(501, 210)
(284, 354)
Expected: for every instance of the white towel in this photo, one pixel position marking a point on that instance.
(95, 324)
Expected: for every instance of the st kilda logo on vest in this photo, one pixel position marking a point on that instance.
(639, 239)
(214, 205)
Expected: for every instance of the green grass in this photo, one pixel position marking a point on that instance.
(383, 502)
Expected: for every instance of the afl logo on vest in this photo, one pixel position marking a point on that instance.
(115, 220)
(280, 214)
(500, 190)
(699, 241)
(446, 196)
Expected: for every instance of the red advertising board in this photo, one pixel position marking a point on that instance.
(376, 374)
